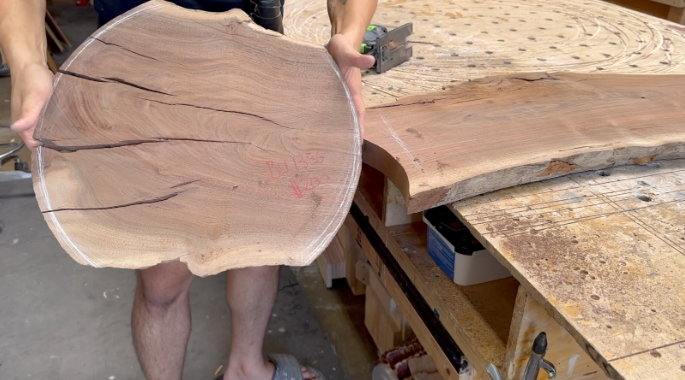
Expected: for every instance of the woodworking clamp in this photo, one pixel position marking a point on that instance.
(12, 154)
(537, 360)
(388, 47)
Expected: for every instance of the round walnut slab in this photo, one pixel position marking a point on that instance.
(176, 134)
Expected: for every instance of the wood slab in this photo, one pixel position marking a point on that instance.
(604, 253)
(497, 132)
(177, 134)
(458, 42)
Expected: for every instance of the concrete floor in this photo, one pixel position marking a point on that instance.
(61, 320)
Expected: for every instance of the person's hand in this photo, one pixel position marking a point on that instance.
(351, 61)
(31, 89)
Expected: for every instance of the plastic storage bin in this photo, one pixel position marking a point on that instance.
(457, 252)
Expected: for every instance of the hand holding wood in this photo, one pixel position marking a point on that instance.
(351, 61)
(176, 134)
(31, 89)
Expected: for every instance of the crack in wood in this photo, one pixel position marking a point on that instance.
(222, 110)
(536, 79)
(125, 48)
(136, 203)
(112, 80)
(122, 81)
(432, 101)
(81, 76)
(184, 183)
(50, 144)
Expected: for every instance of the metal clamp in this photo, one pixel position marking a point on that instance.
(15, 148)
(12, 154)
(538, 361)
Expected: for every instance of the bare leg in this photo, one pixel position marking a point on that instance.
(161, 320)
(251, 294)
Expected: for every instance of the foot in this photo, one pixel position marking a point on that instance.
(307, 375)
(265, 372)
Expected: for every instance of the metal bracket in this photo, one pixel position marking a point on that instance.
(549, 368)
(493, 371)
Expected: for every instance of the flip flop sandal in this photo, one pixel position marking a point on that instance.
(287, 368)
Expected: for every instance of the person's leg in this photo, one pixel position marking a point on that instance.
(161, 320)
(251, 294)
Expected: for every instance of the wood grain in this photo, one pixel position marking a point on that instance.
(603, 253)
(177, 134)
(458, 41)
(503, 131)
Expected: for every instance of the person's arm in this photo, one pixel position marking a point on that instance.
(349, 20)
(23, 42)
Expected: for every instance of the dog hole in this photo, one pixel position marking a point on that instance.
(644, 198)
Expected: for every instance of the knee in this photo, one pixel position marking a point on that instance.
(161, 288)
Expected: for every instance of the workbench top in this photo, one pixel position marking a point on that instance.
(457, 41)
(601, 251)
(604, 253)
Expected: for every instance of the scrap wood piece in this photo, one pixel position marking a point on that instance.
(503, 131)
(177, 134)
(52, 65)
(53, 39)
(52, 24)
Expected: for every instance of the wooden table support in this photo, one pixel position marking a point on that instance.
(436, 341)
(493, 322)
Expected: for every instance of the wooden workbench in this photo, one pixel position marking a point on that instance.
(492, 323)
(673, 10)
(597, 256)
(604, 253)
(456, 41)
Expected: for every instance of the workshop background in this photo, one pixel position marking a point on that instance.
(385, 300)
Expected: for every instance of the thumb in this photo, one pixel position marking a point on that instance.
(363, 61)
(26, 122)
(25, 128)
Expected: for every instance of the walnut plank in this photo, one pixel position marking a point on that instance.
(176, 134)
(497, 132)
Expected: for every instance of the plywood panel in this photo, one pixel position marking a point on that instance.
(568, 358)
(603, 252)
